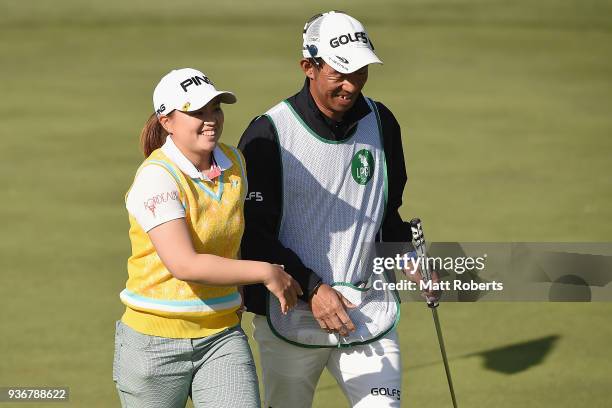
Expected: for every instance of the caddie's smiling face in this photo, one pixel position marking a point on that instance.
(334, 92)
(196, 131)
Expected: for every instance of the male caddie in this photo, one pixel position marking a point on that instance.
(326, 175)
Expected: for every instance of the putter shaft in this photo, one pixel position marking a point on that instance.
(434, 312)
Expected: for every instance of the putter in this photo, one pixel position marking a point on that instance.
(418, 240)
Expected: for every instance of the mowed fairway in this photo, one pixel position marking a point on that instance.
(506, 112)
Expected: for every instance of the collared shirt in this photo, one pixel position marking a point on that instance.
(155, 183)
(187, 167)
(263, 208)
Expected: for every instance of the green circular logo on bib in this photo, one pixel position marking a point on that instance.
(362, 166)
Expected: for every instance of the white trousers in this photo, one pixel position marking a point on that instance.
(370, 375)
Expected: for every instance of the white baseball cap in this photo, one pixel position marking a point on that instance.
(187, 90)
(340, 40)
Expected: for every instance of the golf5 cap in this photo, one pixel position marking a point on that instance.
(340, 40)
(187, 90)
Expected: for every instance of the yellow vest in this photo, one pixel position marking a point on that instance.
(159, 304)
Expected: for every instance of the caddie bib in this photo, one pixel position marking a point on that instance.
(333, 204)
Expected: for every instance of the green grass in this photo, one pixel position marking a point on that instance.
(505, 112)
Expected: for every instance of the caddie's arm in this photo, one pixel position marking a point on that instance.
(263, 206)
(394, 229)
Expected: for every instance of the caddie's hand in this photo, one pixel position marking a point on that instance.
(329, 309)
(431, 294)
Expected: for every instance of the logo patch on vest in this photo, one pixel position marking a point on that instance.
(362, 166)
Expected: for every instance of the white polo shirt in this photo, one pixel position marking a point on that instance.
(154, 197)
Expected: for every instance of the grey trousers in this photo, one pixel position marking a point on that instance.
(216, 371)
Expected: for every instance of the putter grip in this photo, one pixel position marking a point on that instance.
(418, 240)
(415, 222)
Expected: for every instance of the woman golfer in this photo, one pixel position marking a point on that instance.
(180, 335)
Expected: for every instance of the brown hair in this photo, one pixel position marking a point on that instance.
(152, 136)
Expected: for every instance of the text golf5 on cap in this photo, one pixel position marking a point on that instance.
(187, 90)
(340, 40)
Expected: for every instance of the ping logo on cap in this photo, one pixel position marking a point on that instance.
(195, 80)
(161, 109)
(359, 36)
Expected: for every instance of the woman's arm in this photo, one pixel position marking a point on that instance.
(172, 242)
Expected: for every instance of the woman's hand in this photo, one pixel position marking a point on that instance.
(282, 285)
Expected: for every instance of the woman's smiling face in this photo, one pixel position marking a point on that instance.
(196, 132)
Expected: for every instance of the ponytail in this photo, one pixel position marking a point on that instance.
(152, 136)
